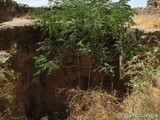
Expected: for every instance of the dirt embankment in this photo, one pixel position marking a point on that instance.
(37, 94)
(10, 9)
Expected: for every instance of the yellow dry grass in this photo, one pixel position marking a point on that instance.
(92, 105)
(147, 22)
(104, 106)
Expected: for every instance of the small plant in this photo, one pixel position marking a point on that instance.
(2, 75)
(10, 99)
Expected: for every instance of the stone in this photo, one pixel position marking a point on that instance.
(153, 4)
(4, 56)
(152, 8)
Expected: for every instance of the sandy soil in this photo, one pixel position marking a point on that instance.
(17, 22)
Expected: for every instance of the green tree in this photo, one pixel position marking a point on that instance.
(88, 26)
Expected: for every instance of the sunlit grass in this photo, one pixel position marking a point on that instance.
(147, 22)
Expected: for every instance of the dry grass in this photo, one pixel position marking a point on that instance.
(147, 22)
(92, 105)
(99, 105)
(146, 103)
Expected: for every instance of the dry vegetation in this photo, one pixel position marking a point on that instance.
(92, 105)
(147, 22)
(99, 105)
(146, 103)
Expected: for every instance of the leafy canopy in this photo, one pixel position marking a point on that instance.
(92, 27)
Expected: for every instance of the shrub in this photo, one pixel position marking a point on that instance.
(144, 76)
(142, 70)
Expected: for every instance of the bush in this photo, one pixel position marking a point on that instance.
(143, 78)
(142, 70)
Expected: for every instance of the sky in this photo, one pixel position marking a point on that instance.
(133, 3)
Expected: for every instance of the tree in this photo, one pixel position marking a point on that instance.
(88, 26)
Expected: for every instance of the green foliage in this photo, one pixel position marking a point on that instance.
(2, 75)
(89, 26)
(142, 71)
(10, 99)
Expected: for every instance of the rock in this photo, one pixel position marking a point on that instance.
(4, 56)
(153, 4)
(45, 118)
